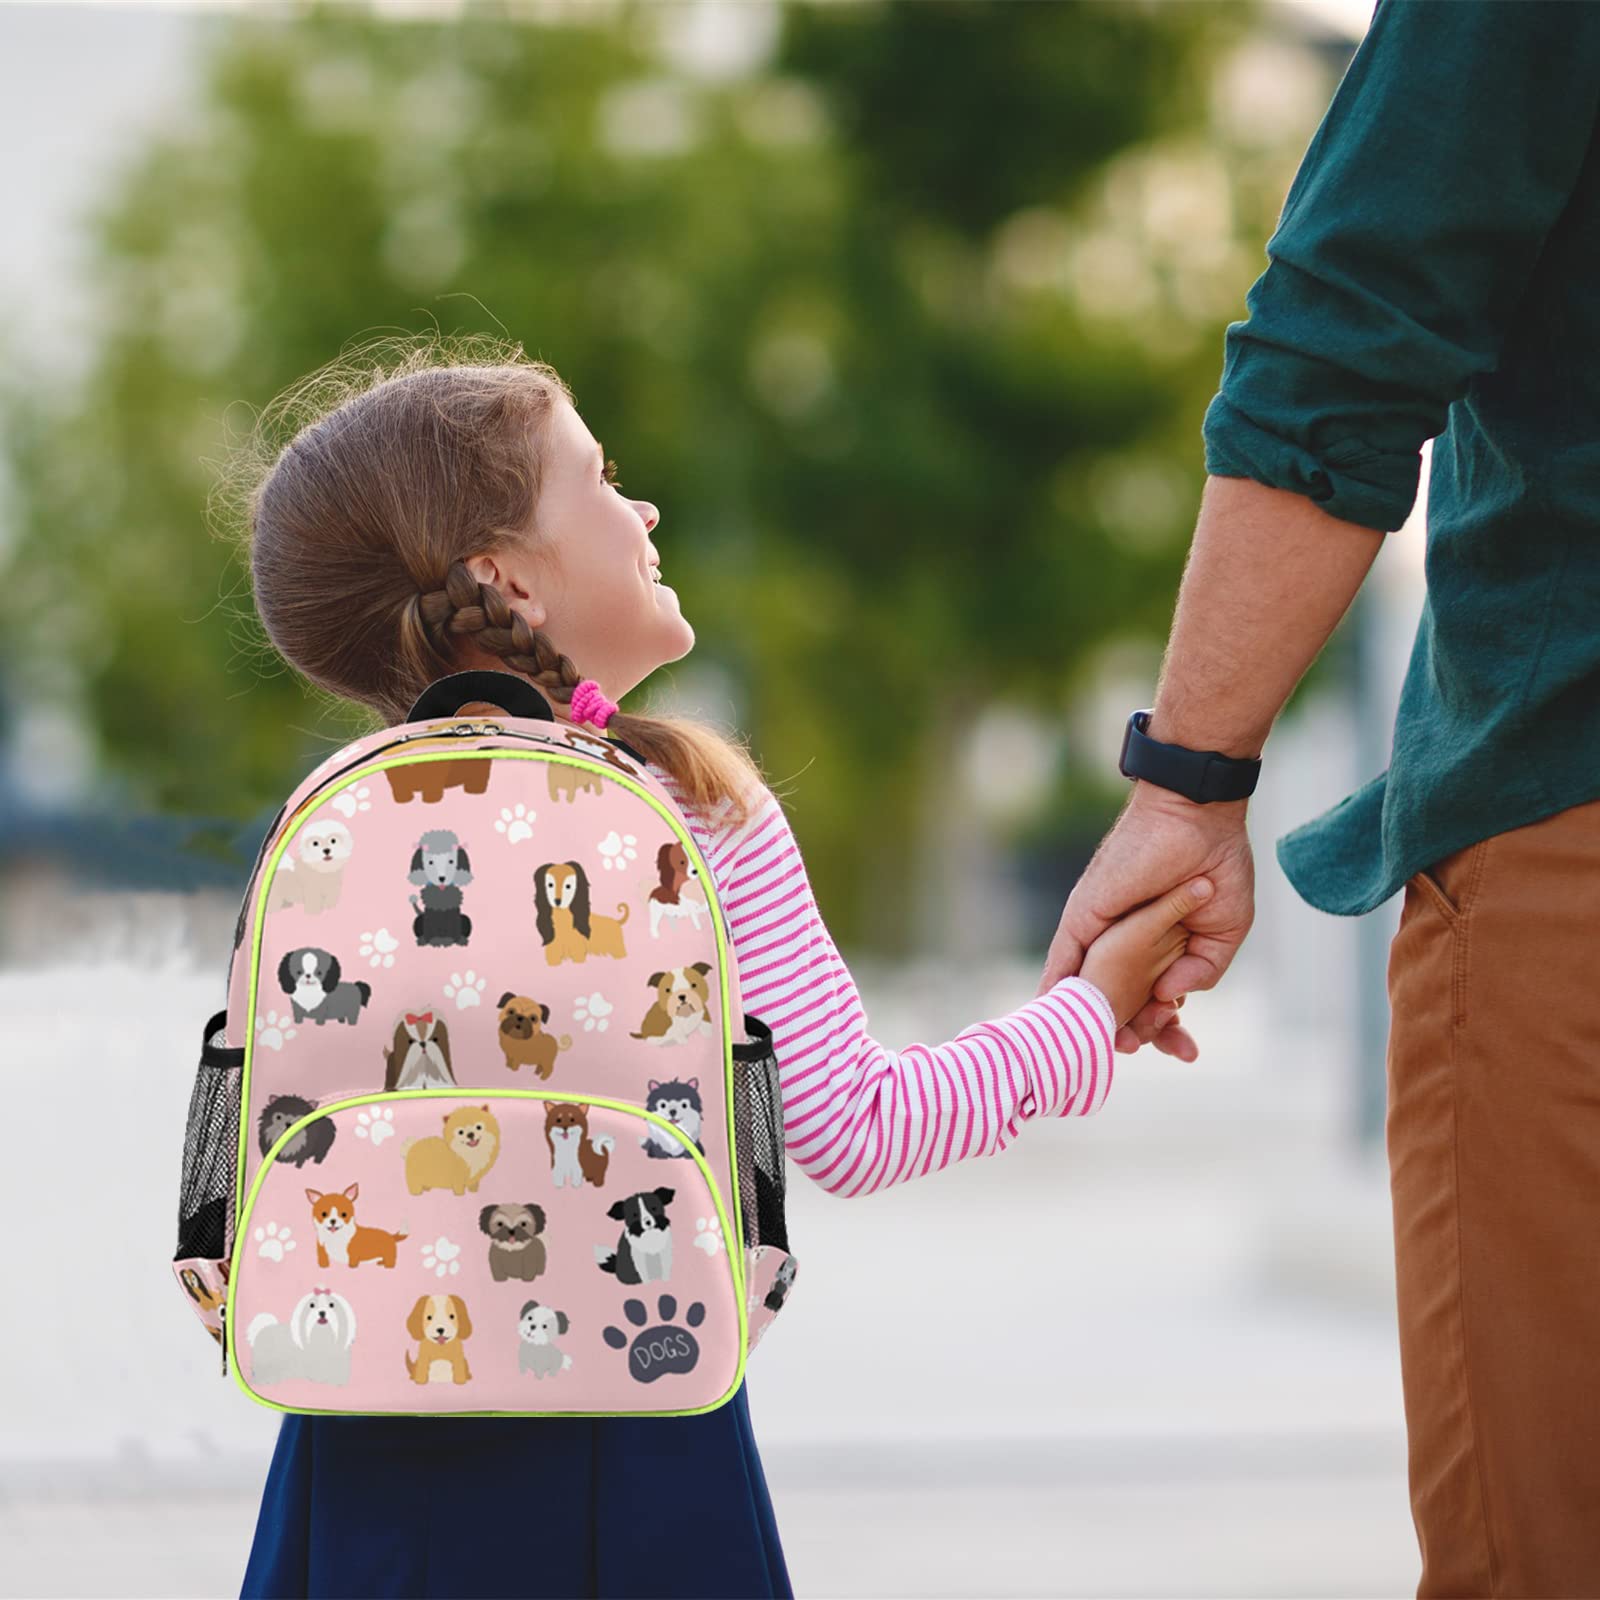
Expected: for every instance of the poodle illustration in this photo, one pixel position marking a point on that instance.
(339, 1240)
(679, 892)
(515, 1248)
(311, 871)
(279, 1114)
(310, 977)
(644, 1252)
(567, 928)
(419, 1058)
(440, 1325)
(458, 1158)
(315, 1344)
(679, 1104)
(682, 1006)
(538, 1327)
(439, 866)
(575, 1157)
(523, 1039)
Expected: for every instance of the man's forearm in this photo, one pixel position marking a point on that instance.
(1269, 576)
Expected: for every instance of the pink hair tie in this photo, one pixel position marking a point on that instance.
(588, 704)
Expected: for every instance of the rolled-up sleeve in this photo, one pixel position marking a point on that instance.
(1405, 245)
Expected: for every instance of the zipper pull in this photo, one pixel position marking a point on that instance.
(222, 1315)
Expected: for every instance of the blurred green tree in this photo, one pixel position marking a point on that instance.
(907, 325)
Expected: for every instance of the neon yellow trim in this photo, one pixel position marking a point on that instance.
(241, 1231)
(718, 922)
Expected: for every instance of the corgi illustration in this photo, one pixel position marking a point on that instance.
(339, 1241)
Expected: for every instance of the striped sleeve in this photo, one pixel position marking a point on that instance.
(857, 1115)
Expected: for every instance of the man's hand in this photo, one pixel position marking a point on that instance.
(1161, 841)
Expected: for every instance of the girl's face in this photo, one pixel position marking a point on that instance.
(590, 589)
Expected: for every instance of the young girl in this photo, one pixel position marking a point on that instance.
(455, 516)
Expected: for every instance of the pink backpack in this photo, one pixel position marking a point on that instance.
(477, 1132)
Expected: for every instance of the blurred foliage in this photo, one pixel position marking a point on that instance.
(908, 327)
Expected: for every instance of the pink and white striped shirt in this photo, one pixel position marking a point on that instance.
(858, 1116)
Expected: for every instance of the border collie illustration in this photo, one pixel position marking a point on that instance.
(644, 1252)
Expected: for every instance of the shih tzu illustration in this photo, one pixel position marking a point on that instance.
(515, 1248)
(575, 1158)
(679, 892)
(279, 1114)
(315, 1344)
(310, 977)
(682, 1006)
(341, 1241)
(679, 1104)
(440, 1325)
(644, 1252)
(419, 1058)
(523, 1040)
(567, 927)
(311, 871)
(458, 1158)
(439, 866)
(431, 779)
(538, 1327)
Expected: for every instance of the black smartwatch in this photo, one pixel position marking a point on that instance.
(1201, 775)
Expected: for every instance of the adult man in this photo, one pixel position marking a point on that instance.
(1433, 272)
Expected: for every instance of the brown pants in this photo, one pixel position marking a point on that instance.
(1494, 1160)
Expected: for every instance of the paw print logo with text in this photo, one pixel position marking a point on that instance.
(516, 822)
(350, 801)
(660, 1350)
(618, 850)
(274, 1243)
(273, 1031)
(379, 947)
(375, 1123)
(440, 1257)
(593, 1011)
(466, 989)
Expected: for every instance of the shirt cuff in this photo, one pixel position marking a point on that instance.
(1076, 1077)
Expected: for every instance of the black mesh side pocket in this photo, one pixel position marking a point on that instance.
(210, 1147)
(758, 1116)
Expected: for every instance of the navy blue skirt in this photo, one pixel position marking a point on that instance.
(518, 1506)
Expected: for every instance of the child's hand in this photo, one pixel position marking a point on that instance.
(1125, 961)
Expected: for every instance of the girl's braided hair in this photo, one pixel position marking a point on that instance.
(357, 530)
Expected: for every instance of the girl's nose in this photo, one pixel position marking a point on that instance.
(649, 513)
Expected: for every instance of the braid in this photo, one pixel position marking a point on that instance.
(464, 605)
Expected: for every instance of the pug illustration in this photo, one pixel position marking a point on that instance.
(523, 1040)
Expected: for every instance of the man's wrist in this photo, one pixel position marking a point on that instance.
(1173, 727)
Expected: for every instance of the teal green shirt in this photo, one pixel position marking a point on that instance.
(1435, 273)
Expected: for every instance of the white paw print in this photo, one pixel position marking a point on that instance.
(273, 1031)
(440, 1257)
(376, 1124)
(707, 1235)
(273, 1242)
(617, 850)
(379, 947)
(466, 990)
(593, 1011)
(350, 801)
(515, 822)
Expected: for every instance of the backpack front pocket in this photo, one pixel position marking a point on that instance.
(489, 1252)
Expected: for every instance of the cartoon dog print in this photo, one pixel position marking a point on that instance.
(419, 1058)
(310, 977)
(782, 1282)
(644, 1252)
(572, 781)
(682, 1006)
(679, 892)
(679, 1104)
(575, 1158)
(538, 1327)
(311, 871)
(440, 867)
(279, 1114)
(599, 749)
(567, 927)
(340, 1242)
(515, 1248)
(458, 1158)
(431, 779)
(315, 1344)
(440, 1325)
(523, 1040)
